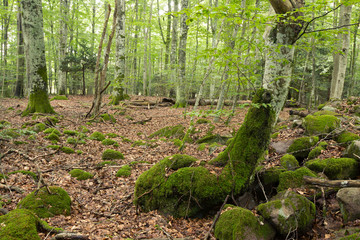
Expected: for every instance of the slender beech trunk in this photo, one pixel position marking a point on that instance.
(174, 40)
(64, 11)
(354, 55)
(214, 33)
(32, 19)
(20, 72)
(340, 60)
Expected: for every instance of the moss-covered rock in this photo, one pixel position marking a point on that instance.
(39, 127)
(335, 168)
(301, 147)
(315, 152)
(59, 97)
(346, 137)
(202, 121)
(71, 140)
(110, 154)
(320, 125)
(52, 130)
(288, 212)
(53, 137)
(67, 150)
(325, 112)
(109, 141)
(71, 132)
(112, 135)
(124, 171)
(270, 180)
(45, 204)
(98, 136)
(213, 138)
(294, 179)
(353, 150)
(80, 174)
(170, 132)
(239, 223)
(9, 134)
(289, 162)
(108, 117)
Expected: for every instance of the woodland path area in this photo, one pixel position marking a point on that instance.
(102, 207)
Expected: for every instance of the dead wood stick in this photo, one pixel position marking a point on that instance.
(331, 183)
(142, 122)
(16, 189)
(70, 236)
(216, 218)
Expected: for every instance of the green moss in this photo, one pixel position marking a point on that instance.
(110, 154)
(346, 137)
(79, 152)
(335, 168)
(275, 135)
(70, 132)
(112, 135)
(239, 223)
(177, 142)
(53, 137)
(170, 132)
(45, 204)
(202, 121)
(29, 173)
(32, 138)
(124, 139)
(202, 147)
(83, 129)
(109, 141)
(71, 140)
(321, 106)
(52, 130)
(301, 147)
(289, 211)
(20, 142)
(293, 179)
(325, 112)
(98, 136)
(67, 150)
(108, 117)
(38, 102)
(50, 120)
(104, 163)
(314, 153)
(138, 143)
(56, 147)
(323, 124)
(289, 162)
(80, 174)
(213, 138)
(59, 97)
(9, 134)
(39, 127)
(124, 171)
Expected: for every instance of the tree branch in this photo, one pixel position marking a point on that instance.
(331, 183)
(327, 29)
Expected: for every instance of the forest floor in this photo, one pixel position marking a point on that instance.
(102, 207)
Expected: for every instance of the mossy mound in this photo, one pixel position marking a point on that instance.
(110, 154)
(170, 132)
(39, 127)
(45, 204)
(325, 112)
(52, 130)
(71, 132)
(109, 141)
(185, 193)
(53, 137)
(345, 138)
(293, 179)
(213, 138)
(80, 174)
(83, 129)
(335, 168)
(202, 121)
(320, 125)
(289, 162)
(104, 163)
(108, 117)
(314, 153)
(240, 223)
(71, 140)
(112, 135)
(29, 173)
(56, 147)
(50, 120)
(353, 150)
(67, 150)
(270, 180)
(59, 97)
(98, 136)
(289, 211)
(124, 171)
(9, 134)
(301, 147)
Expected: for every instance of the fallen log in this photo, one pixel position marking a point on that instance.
(331, 183)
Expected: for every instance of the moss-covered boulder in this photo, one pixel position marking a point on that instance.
(240, 223)
(315, 152)
(335, 168)
(80, 174)
(289, 212)
(53, 137)
(213, 138)
(170, 132)
(269, 180)
(348, 199)
(345, 138)
(98, 136)
(109, 141)
(45, 204)
(39, 127)
(124, 171)
(294, 179)
(71, 132)
(353, 150)
(320, 125)
(52, 130)
(110, 154)
(67, 150)
(289, 162)
(301, 147)
(108, 117)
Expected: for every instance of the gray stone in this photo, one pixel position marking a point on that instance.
(349, 201)
(281, 147)
(353, 150)
(329, 108)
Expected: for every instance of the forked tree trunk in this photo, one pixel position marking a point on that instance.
(35, 57)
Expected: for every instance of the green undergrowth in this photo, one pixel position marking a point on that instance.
(124, 171)
(80, 174)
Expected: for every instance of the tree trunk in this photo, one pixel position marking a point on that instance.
(19, 91)
(35, 57)
(354, 55)
(340, 60)
(118, 93)
(64, 11)
(174, 40)
(180, 95)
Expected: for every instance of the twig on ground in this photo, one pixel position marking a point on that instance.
(216, 218)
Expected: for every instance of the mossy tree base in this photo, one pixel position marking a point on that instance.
(117, 96)
(38, 102)
(190, 191)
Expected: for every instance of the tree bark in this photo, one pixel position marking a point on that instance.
(174, 42)
(35, 57)
(19, 90)
(64, 11)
